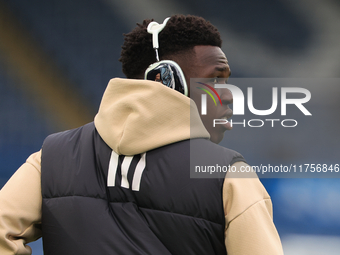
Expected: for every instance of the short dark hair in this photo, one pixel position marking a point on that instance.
(180, 34)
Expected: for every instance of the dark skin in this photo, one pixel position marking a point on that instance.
(209, 62)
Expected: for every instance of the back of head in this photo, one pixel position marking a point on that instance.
(179, 36)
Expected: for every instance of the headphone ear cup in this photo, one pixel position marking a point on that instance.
(169, 73)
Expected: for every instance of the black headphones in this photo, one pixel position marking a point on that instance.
(166, 72)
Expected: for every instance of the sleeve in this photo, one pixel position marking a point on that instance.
(20, 208)
(249, 219)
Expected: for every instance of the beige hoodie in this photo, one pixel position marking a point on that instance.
(136, 116)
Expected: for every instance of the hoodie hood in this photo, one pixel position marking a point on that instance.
(136, 116)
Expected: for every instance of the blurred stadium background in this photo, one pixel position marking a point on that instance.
(57, 56)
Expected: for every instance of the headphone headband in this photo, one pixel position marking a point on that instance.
(154, 28)
(167, 72)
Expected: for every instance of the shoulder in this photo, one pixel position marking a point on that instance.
(241, 190)
(205, 152)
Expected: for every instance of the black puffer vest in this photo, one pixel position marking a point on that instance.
(97, 202)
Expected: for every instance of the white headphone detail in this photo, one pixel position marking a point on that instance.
(166, 72)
